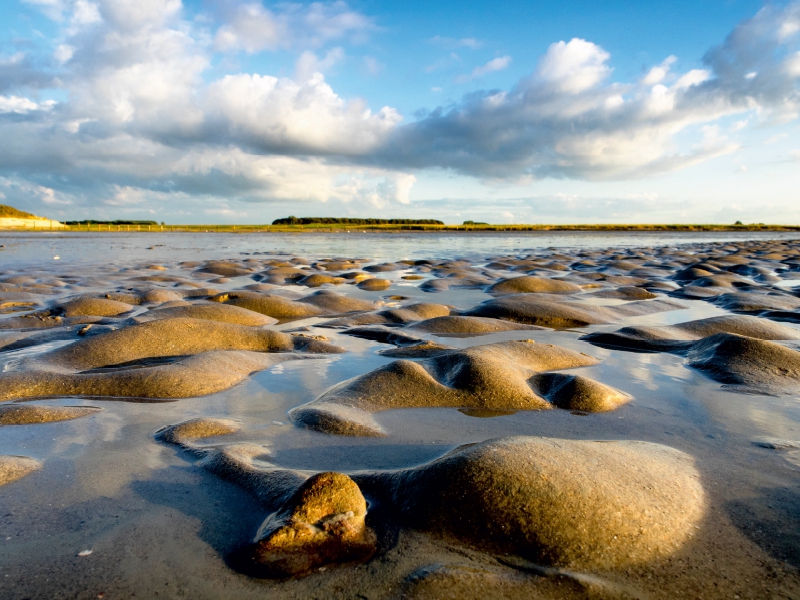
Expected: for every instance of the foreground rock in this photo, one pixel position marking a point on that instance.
(323, 523)
(491, 377)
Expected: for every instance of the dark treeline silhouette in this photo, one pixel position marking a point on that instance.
(347, 221)
(117, 222)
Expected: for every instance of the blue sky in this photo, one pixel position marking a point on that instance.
(229, 111)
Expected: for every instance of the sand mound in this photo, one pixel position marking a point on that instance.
(15, 340)
(424, 349)
(625, 293)
(27, 414)
(384, 268)
(16, 467)
(153, 296)
(754, 302)
(467, 326)
(183, 434)
(754, 364)
(569, 503)
(574, 392)
(282, 275)
(98, 307)
(224, 313)
(375, 284)
(491, 377)
(384, 335)
(676, 338)
(266, 304)
(561, 502)
(525, 308)
(35, 321)
(407, 314)
(528, 284)
(320, 520)
(333, 303)
(225, 269)
(318, 279)
(457, 281)
(323, 523)
(170, 358)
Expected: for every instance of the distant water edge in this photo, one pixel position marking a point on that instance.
(21, 249)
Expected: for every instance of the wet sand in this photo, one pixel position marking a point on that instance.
(401, 420)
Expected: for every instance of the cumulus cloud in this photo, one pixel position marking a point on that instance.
(252, 27)
(17, 104)
(309, 63)
(142, 126)
(284, 116)
(658, 73)
(145, 118)
(568, 120)
(497, 64)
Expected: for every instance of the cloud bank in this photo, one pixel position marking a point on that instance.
(129, 110)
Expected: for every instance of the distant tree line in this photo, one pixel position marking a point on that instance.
(347, 221)
(116, 222)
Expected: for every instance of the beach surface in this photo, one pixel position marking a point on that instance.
(400, 415)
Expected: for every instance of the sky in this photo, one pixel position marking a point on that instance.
(228, 111)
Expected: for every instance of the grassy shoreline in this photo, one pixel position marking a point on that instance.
(340, 228)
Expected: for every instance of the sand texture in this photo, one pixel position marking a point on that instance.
(400, 416)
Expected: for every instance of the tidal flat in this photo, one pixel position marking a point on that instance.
(400, 416)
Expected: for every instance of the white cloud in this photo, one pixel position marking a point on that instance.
(794, 155)
(63, 52)
(274, 114)
(148, 120)
(448, 42)
(19, 105)
(309, 63)
(496, 64)
(568, 120)
(658, 73)
(739, 125)
(253, 28)
(54, 9)
(574, 66)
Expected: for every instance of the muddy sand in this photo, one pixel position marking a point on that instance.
(593, 422)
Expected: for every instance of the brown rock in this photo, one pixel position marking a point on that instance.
(323, 523)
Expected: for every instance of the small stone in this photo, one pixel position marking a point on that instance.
(323, 523)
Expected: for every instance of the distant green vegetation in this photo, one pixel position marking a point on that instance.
(348, 221)
(116, 222)
(474, 223)
(9, 212)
